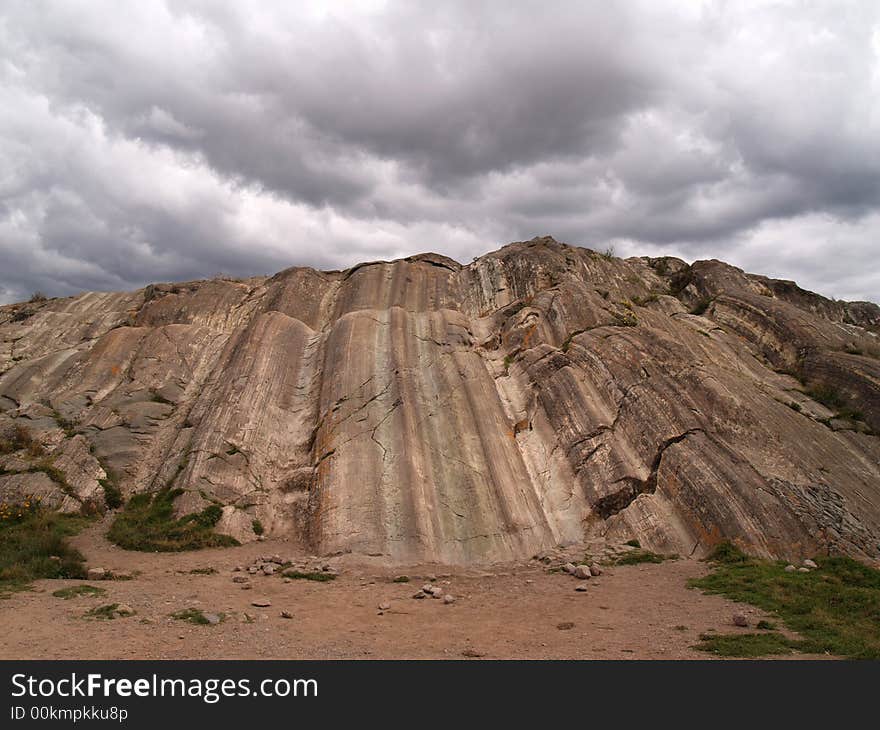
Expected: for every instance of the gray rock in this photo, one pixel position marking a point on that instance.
(803, 570)
(239, 579)
(96, 574)
(569, 568)
(212, 618)
(595, 569)
(269, 568)
(810, 564)
(261, 603)
(581, 588)
(286, 614)
(790, 569)
(420, 595)
(740, 620)
(447, 599)
(582, 572)
(384, 606)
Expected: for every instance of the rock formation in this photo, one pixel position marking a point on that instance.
(421, 410)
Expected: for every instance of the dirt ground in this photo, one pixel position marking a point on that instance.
(505, 612)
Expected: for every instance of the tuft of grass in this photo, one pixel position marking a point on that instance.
(80, 590)
(765, 625)
(835, 608)
(401, 579)
(257, 527)
(316, 576)
(107, 612)
(639, 556)
(194, 616)
(147, 523)
(20, 439)
(701, 306)
(633, 543)
(34, 546)
(203, 571)
(746, 645)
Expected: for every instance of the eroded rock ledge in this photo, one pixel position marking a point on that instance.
(422, 410)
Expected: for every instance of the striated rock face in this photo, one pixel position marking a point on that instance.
(421, 410)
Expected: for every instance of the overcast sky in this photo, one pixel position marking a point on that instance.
(150, 141)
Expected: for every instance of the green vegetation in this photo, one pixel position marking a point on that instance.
(316, 576)
(765, 625)
(639, 556)
(109, 612)
(81, 590)
(203, 571)
(633, 543)
(112, 492)
(257, 527)
(746, 645)
(401, 579)
(835, 401)
(701, 306)
(195, 616)
(33, 545)
(835, 608)
(147, 523)
(627, 319)
(643, 301)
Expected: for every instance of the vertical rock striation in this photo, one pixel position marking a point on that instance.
(420, 410)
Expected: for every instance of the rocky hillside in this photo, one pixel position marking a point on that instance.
(422, 410)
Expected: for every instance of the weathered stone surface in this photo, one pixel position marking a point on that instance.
(420, 410)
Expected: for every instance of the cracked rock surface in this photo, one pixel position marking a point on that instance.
(424, 411)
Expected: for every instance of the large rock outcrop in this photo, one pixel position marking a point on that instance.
(421, 410)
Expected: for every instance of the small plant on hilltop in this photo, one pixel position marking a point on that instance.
(257, 527)
(835, 608)
(148, 523)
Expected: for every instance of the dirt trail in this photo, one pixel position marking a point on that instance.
(632, 612)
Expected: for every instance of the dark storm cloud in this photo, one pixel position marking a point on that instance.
(167, 141)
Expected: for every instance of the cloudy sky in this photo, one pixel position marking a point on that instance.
(157, 141)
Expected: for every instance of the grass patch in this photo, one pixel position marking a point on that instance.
(34, 546)
(203, 571)
(257, 527)
(835, 608)
(639, 556)
(80, 590)
(321, 577)
(194, 616)
(765, 625)
(147, 523)
(633, 543)
(746, 645)
(107, 612)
